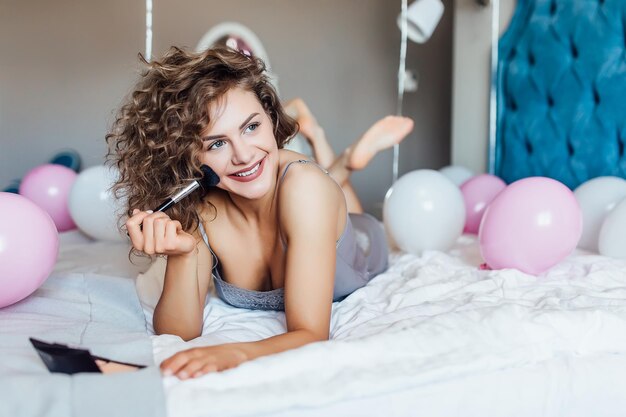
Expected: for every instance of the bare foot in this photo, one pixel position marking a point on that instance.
(382, 135)
(311, 130)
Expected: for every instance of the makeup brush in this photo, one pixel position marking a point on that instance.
(209, 179)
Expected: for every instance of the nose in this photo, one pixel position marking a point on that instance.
(243, 153)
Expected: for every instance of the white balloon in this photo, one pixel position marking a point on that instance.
(92, 205)
(424, 210)
(597, 197)
(457, 174)
(612, 237)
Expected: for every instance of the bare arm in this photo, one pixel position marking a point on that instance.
(187, 275)
(310, 226)
(180, 308)
(310, 222)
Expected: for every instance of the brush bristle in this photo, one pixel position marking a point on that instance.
(209, 179)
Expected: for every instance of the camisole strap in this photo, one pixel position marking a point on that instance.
(301, 161)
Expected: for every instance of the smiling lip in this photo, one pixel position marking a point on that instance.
(249, 177)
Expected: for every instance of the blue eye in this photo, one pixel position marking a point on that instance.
(252, 127)
(215, 143)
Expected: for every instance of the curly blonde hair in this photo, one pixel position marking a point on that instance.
(156, 139)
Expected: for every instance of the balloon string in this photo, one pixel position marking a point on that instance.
(401, 77)
(148, 29)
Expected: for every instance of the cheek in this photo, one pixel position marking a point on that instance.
(269, 140)
(206, 159)
(216, 161)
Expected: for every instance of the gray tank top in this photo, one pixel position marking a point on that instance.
(352, 268)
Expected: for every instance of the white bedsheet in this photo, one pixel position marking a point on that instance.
(434, 334)
(88, 301)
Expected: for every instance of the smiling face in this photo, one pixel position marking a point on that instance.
(240, 146)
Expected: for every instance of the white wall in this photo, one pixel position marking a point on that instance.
(65, 67)
(471, 69)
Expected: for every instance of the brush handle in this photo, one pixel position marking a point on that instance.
(174, 199)
(165, 205)
(182, 194)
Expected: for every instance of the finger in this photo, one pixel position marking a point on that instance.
(137, 217)
(210, 367)
(148, 231)
(148, 238)
(179, 240)
(171, 234)
(173, 364)
(159, 224)
(193, 366)
(134, 230)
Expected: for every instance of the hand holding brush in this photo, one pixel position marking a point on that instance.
(154, 232)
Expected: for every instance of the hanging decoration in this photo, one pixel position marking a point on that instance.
(401, 80)
(493, 94)
(148, 55)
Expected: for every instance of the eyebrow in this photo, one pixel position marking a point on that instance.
(207, 138)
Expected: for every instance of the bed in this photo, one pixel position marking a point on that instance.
(89, 301)
(434, 335)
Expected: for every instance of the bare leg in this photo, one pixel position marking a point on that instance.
(353, 202)
(312, 131)
(322, 151)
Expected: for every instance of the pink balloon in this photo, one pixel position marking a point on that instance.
(532, 225)
(29, 245)
(49, 187)
(478, 192)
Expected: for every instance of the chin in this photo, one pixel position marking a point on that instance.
(257, 188)
(251, 192)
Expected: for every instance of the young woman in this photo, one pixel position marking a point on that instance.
(277, 232)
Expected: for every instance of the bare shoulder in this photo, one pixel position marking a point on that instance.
(306, 179)
(288, 155)
(309, 197)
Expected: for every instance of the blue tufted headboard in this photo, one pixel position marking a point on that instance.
(561, 91)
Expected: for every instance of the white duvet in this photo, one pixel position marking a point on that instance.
(428, 320)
